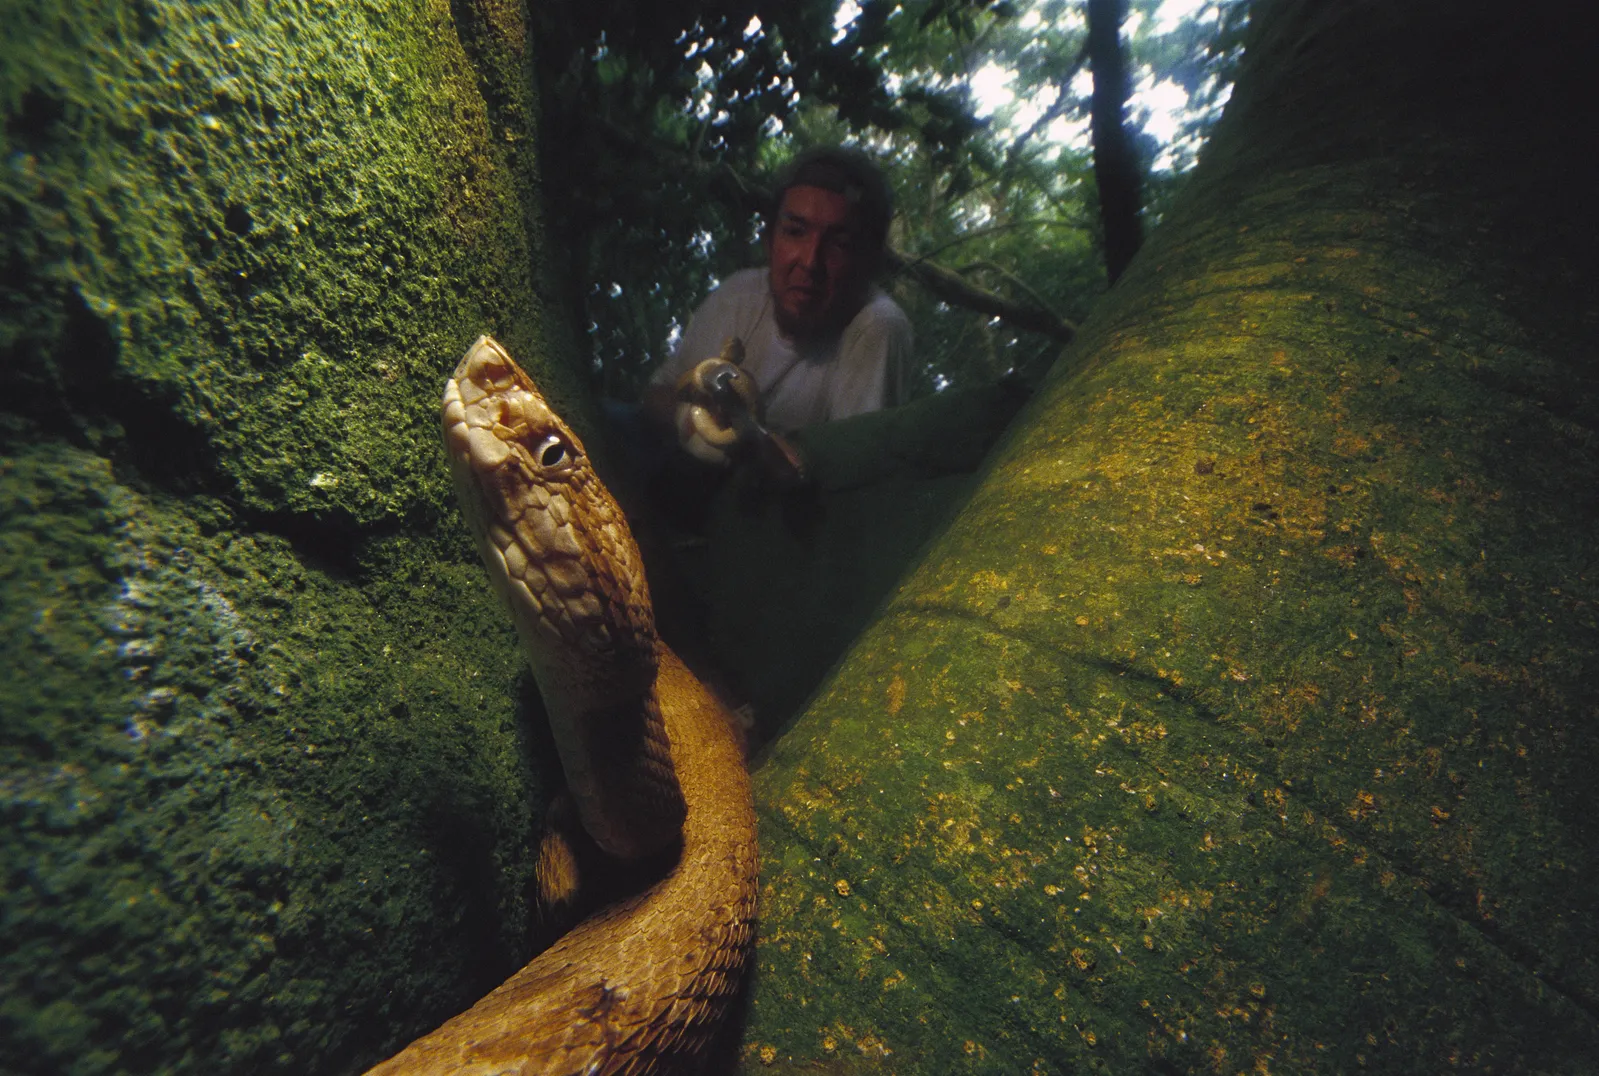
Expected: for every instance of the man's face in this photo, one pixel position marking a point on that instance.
(819, 267)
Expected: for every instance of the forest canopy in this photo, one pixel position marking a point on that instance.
(663, 125)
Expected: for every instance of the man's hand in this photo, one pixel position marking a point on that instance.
(709, 397)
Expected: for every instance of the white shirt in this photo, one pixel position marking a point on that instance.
(859, 370)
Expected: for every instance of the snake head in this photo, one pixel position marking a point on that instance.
(554, 540)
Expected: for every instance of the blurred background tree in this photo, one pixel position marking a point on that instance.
(663, 125)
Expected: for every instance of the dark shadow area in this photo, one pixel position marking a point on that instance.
(72, 389)
(768, 595)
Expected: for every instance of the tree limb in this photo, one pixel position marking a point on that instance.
(986, 266)
(949, 287)
(995, 229)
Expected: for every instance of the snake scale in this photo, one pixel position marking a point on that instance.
(651, 757)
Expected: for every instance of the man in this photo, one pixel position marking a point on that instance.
(821, 341)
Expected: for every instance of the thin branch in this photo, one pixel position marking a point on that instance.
(949, 287)
(992, 229)
(1015, 281)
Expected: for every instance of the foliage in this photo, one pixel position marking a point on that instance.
(658, 129)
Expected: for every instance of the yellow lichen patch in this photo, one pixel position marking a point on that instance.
(1276, 800)
(1362, 806)
(950, 825)
(1144, 732)
(1282, 709)
(1371, 710)
(987, 580)
(1186, 900)
(896, 694)
(871, 1046)
(1344, 555)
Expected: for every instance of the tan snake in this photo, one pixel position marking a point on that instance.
(651, 759)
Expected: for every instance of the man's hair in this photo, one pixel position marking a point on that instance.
(843, 171)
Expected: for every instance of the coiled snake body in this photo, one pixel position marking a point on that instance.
(651, 759)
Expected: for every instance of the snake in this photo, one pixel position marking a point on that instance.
(652, 760)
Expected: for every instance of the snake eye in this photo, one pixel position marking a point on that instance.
(552, 452)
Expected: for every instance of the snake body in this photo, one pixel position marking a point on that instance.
(651, 759)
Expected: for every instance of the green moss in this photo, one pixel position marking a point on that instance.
(267, 785)
(239, 793)
(286, 227)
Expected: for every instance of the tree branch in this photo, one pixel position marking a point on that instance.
(1017, 282)
(995, 229)
(949, 287)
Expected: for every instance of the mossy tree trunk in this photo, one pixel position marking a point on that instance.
(1245, 719)
(266, 789)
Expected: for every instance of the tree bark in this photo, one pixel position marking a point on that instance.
(1245, 720)
(1116, 170)
(266, 789)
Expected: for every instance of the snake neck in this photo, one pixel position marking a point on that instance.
(618, 762)
(558, 549)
